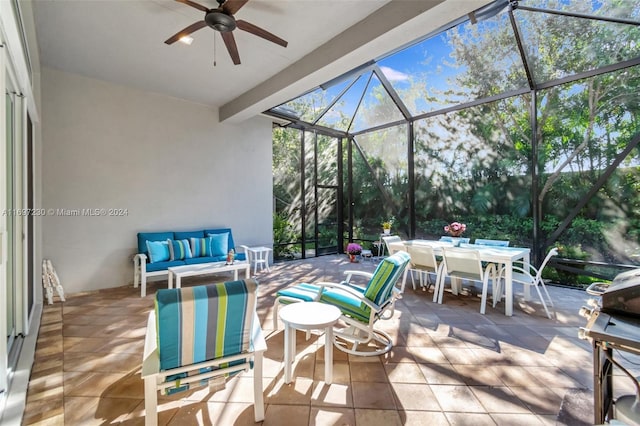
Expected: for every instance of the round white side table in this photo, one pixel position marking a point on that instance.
(308, 316)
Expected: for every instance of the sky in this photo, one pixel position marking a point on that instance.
(431, 65)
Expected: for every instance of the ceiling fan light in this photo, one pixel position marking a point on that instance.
(220, 21)
(186, 40)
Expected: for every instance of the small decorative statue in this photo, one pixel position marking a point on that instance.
(230, 256)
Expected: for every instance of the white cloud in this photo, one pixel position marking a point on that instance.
(394, 75)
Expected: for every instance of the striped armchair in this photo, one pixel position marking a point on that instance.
(202, 334)
(361, 307)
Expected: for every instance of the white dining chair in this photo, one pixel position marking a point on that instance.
(463, 263)
(492, 243)
(423, 261)
(448, 239)
(527, 276)
(388, 241)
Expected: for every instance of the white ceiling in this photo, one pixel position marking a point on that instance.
(122, 41)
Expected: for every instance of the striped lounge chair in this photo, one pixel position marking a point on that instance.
(202, 334)
(361, 307)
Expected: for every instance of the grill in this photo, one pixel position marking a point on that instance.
(613, 322)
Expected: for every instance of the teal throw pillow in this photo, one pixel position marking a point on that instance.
(179, 250)
(158, 251)
(219, 244)
(201, 247)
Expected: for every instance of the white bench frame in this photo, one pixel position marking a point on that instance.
(140, 273)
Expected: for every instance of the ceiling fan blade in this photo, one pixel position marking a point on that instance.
(230, 42)
(250, 28)
(194, 4)
(233, 6)
(185, 32)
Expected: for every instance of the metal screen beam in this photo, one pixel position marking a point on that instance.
(578, 15)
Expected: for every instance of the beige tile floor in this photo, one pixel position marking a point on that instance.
(450, 365)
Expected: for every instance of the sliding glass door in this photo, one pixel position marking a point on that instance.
(19, 296)
(13, 225)
(10, 301)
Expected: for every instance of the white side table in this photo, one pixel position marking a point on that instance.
(308, 316)
(258, 256)
(367, 254)
(381, 245)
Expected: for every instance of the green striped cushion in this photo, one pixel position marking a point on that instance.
(385, 276)
(202, 323)
(303, 291)
(347, 303)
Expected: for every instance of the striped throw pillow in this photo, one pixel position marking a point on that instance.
(179, 250)
(201, 247)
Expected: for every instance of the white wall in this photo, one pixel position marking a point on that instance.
(168, 162)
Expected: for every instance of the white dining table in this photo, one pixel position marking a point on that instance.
(502, 255)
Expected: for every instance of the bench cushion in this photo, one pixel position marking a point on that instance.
(207, 259)
(210, 259)
(185, 235)
(143, 237)
(162, 266)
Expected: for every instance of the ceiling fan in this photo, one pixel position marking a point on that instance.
(221, 19)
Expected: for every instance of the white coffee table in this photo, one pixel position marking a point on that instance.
(180, 272)
(308, 316)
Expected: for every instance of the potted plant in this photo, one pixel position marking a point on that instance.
(353, 249)
(386, 226)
